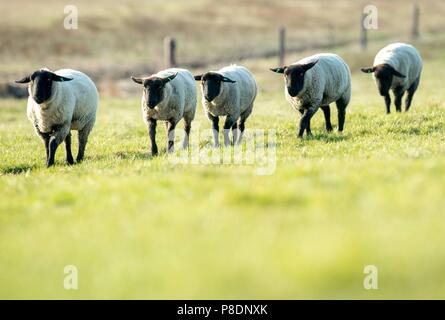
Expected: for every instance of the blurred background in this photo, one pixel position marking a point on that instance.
(139, 227)
(115, 39)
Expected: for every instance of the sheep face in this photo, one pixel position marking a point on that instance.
(384, 74)
(294, 76)
(211, 84)
(41, 83)
(154, 89)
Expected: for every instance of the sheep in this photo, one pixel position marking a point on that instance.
(397, 67)
(59, 102)
(230, 92)
(314, 82)
(168, 95)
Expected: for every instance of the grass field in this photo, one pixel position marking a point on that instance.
(140, 227)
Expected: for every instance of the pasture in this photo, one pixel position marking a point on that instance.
(141, 227)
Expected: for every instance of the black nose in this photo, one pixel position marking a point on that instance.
(38, 100)
(292, 93)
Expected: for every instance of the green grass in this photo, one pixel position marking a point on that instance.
(140, 227)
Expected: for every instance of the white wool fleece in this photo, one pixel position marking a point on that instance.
(236, 98)
(179, 98)
(72, 104)
(405, 59)
(327, 81)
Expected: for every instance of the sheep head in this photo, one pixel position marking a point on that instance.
(384, 74)
(211, 84)
(154, 88)
(41, 84)
(294, 76)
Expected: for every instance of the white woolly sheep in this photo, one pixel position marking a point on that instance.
(314, 82)
(168, 95)
(59, 102)
(398, 67)
(230, 92)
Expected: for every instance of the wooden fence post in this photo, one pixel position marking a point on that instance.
(281, 45)
(170, 52)
(363, 33)
(415, 26)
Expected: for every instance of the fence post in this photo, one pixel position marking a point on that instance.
(415, 26)
(363, 33)
(170, 52)
(281, 45)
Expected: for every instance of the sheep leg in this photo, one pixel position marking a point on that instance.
(308, 129)
(327, 117)
(170, 125)
(241, 127)
(228, 124)
(398, 94)
(215, 128)
(69, 155)
(82, 138)
(235, 133)
(45, 137)
(411, 90)
(152, 134)
(242, 122)
(54, 141)
(388, 103)
(46, 141)
(187, 128)
(305, 122)
(341, 110)
(52, 151)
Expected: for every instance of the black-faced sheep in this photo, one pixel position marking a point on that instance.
(59, 102)
(230, 92)
(398, 67)
(314, 82)
(168, 95)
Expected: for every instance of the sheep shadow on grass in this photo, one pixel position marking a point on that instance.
(134, 155)
(17, 169)
(328, 137)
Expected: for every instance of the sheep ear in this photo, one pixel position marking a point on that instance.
(170, 78)
(58, 78)
(368, 70)
(225, 79)
(309, 65)
(137, 80)
(198, 77)
(26, 79)
(278, 70)
(397, 73)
